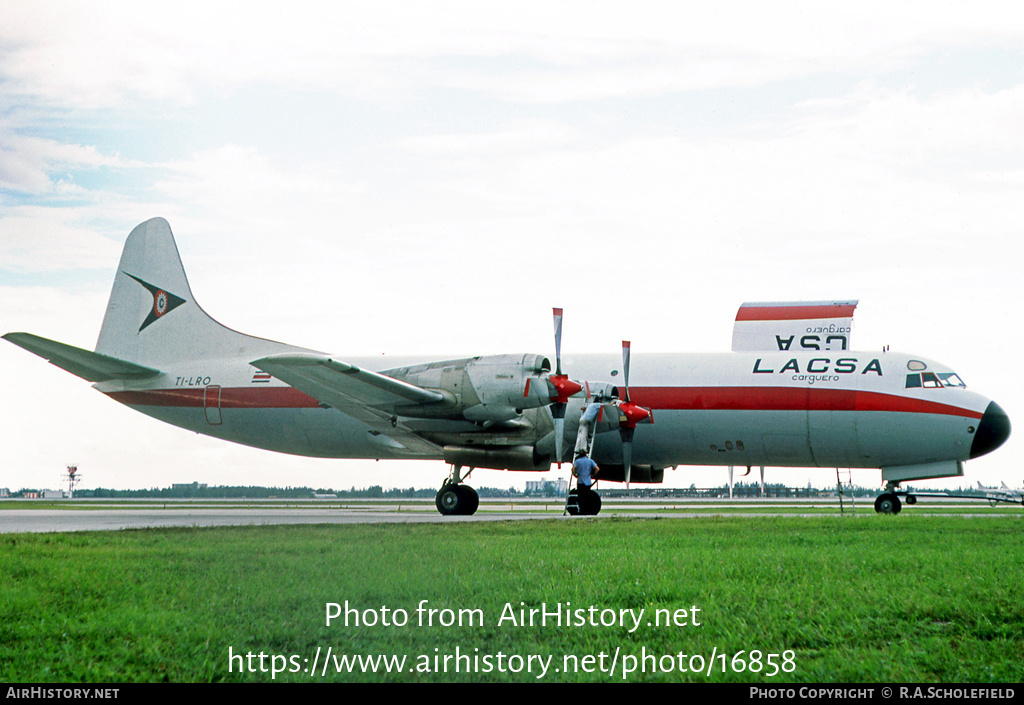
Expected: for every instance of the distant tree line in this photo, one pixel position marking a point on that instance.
(196, 490)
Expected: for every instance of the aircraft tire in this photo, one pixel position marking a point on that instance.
(572, 505)
(456, 500)
(888, 504)
(449, 500)
(590, 503)
(472, 500)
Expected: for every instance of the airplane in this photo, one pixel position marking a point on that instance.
(1003, 493)
(791, 393)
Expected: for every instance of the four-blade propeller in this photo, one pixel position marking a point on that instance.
(630, 414)
(561, 388)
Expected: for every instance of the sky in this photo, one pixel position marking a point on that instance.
(432, 178)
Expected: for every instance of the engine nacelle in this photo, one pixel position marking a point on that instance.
(497, 458)
(504, 385)
(489, 388)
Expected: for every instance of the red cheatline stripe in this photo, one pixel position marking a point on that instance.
(668, 398)
(794, 313)
(786, 399)
(230, 398)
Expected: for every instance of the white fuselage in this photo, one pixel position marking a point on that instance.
(828, 409)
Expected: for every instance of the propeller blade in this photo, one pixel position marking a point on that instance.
(626, 433)
(559, 435)
(559, 385)
(558, 340)
(625, 369)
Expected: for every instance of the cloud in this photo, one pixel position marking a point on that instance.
(36, 165)
(101, 56)
(47, 240)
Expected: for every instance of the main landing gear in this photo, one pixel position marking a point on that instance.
(455, 498)
(889, 502)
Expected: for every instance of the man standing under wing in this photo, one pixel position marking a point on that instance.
(585, 470)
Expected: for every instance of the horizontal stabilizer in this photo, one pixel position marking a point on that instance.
(86, 364)
(797, 326)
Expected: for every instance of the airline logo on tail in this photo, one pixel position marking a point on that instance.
(163, 302)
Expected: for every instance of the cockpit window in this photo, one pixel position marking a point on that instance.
(934, 380)
(951, 379)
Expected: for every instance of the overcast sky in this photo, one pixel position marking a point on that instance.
(431, 178)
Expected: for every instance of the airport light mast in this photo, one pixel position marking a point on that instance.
(73, 478)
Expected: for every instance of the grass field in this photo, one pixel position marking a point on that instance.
(831, 599)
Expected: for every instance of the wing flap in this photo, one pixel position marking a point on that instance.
(92, 366)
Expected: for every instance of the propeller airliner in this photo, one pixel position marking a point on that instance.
(1003, 493)
(791, 393)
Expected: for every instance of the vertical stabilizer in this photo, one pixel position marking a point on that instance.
(152, 317)
(793, 325)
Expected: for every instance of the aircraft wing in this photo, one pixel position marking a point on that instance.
(86, 364)
(371, 397)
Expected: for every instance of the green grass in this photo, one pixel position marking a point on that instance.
(856, 599)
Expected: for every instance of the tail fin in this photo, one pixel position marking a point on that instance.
(152, 317)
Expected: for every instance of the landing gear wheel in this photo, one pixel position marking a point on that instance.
(572, 503)
(888, 503)
(472, 500)
(456, 500)
(584, 503)
(448, 500)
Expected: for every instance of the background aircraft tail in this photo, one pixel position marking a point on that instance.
(152, 318)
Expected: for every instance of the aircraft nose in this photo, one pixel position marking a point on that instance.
(993, 430)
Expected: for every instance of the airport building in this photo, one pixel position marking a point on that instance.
(547, 488)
